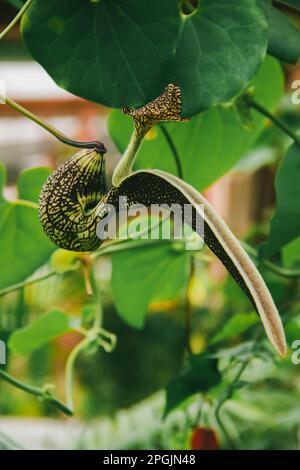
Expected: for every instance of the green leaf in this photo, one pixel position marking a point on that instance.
(291, 253)
(284, 36)
(236, 326)
(291, 3)
(200, 376)
(212, 142)
(292, 330)
(30, 182)
(144, 275)
(41, 332)
(285, 225)
(16, 3)
(2, 179)
(124, 52)
(216, 43)
(24, 247)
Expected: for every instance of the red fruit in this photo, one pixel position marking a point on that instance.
(204, 439)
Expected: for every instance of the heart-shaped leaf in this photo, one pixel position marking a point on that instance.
(124, 52)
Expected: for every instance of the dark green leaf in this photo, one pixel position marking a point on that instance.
(212, 142)
(285, 225)
(41, 332)
(124, 52)
(144, 275)
(291, 3)
(284, 36)
(16, 3)
(200, 376)
(30, 182)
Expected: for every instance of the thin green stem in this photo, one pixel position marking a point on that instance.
(97, 300)
(70, 370)
(109, 248)
(173, 149)
(98, 146)
(223, 400)
(187, 308)
(275, 268)
(16, 19)
(24, 203)
(124, 167)
(37, 392)
(26, 283)
(262, 110)
(120, 245)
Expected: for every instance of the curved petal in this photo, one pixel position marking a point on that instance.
(158, 187)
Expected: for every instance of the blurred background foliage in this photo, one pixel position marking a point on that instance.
(148, 393)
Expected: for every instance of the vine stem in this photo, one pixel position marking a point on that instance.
(26, 283)
(275, 268)
(187, 310)
(98, 146)
(228, 393)
(124, 167)
(16, 19)
(37, 392)
(109, 248)
(230, 389)
(97, 300)
(262, 110)
(223, 400)
(121, 245)
(90, 336)
(173, 149)
(70, 370)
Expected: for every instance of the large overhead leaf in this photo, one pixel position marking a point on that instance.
(285, 225)
(148, 274)
(212, 142)
(199, 376)
(124, 52)
(284, 36)
(41, 332)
